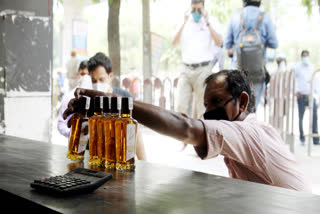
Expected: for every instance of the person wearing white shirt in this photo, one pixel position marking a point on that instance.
(303, 74)
(72, 70)
(198, 37)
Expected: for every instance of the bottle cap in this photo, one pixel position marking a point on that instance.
(96, 105)
(84, 103)
(125, 106)
(114, 105)
(106, 105)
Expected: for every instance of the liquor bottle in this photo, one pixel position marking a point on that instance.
(93, 133)
(78, 139)
(126, 129)
(109, 131)
(104, 105)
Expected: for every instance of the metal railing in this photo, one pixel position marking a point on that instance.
(162, 91)
(281, 103)
(311, 109)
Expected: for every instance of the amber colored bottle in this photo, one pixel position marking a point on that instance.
(78, 139)
(93, 132)
(104, 105)
(126, 129)
(109, 131)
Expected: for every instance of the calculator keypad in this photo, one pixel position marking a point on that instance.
(62, 182)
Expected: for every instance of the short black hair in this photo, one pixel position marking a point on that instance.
(236, 82)
(305, 52)
(256, 3)
(197, 1)
(83, 65)
(100, 59)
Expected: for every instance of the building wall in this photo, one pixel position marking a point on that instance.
(26, 68)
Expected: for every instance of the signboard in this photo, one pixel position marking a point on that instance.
(79, 36)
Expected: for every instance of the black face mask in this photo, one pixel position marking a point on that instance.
(219, 113)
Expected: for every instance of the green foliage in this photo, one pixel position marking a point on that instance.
(221, 9)
(308, 5)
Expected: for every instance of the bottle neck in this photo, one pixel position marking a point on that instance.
(97, 113)
(86, 116)
(125, 115)
(107, 114)
(114, 115)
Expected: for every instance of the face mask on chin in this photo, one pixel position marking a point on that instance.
(104, 87)
(219, 113)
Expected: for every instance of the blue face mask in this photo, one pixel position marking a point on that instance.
(196, 16)
(305, 60)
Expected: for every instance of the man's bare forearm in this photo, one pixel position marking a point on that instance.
(215, 36)
(170, 123)
(177, 37)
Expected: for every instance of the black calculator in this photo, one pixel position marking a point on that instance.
(76, 181)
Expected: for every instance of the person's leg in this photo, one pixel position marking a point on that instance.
(315, 122)
(301, 110)
(199, 88)
(184, 92)
(258, 91)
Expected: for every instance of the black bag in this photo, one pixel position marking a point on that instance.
(250, 51)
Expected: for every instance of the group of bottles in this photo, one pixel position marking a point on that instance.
(110, 131)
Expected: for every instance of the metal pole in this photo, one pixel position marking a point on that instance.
(271, 99)
(290, 98)
(311, 134)
(293, 98)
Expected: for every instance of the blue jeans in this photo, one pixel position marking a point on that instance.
(258, 91)
(303, 102)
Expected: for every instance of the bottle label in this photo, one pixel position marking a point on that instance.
(84, 137)
(131, 141)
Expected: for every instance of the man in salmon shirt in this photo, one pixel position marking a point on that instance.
(253, 150)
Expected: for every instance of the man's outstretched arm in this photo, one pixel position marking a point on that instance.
(165, 122)
(169, 123)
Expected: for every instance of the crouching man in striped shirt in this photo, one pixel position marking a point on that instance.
(252, 150)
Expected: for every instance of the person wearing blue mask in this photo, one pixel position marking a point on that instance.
(303, 74)
(199, 37)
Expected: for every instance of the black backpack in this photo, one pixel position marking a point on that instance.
(250, 51)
